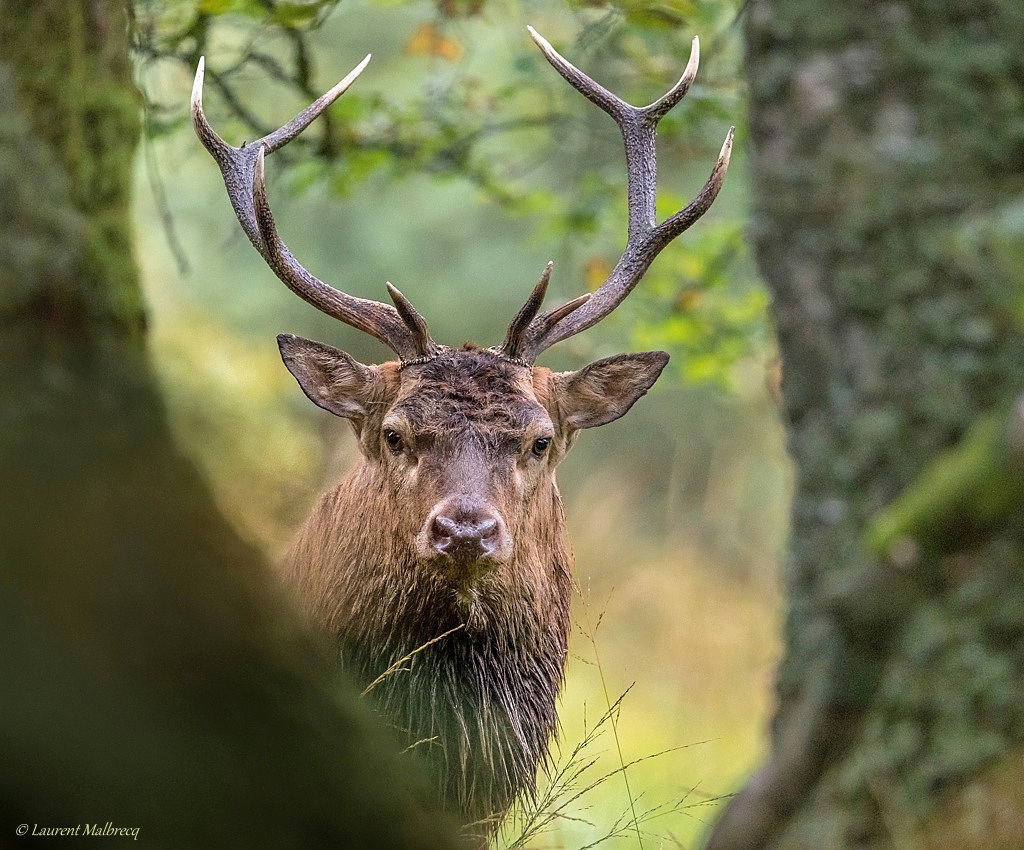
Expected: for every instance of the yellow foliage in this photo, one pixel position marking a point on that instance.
(428, 40)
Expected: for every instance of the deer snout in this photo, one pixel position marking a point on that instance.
(466, 531)
(464, 539)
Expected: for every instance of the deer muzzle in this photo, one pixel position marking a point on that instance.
(466, 533)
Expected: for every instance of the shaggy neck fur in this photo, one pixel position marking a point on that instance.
(478, 706)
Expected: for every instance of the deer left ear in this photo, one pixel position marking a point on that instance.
(603, 391)
(330, 378)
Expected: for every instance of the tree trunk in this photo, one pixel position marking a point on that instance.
(888, 162)
(153, 674)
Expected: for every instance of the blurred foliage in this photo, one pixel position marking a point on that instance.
(706, 305)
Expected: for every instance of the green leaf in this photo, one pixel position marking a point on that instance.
(295, 15)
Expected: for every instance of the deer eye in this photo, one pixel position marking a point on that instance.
(540, 445)
(393, 439)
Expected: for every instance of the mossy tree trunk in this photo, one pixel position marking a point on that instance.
(153, 675)
(888, 162)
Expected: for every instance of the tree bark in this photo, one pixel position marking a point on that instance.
(887, 159)
(153, 673)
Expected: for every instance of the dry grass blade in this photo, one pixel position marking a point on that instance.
(397, 665)
(566, 788)
(591, 632)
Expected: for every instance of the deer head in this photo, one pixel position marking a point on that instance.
(450, 524)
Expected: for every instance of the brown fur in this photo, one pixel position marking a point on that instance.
(478, 705)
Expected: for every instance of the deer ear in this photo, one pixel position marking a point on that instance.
(330, 378)
(603, 391)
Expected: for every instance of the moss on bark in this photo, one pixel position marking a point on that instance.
(71, 136)
(882, 134)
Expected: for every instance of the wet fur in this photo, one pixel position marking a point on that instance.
(478, 705)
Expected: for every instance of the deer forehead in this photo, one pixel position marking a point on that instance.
(470, 390)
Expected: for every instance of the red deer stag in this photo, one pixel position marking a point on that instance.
(445, 548)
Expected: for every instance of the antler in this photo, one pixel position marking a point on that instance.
(531, 334)
(400, 328)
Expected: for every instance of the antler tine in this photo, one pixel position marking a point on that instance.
(515, 345)
(243, 171)
(514, 338)
(552, 317)
(236, 164)
(646, 238)
(416, 324)
(378, 320)
(593, 91)
(675, 94)
(280, 137)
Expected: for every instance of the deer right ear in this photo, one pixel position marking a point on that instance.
(330, 378)
(603, 391)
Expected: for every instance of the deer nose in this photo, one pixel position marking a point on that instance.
(465, 534)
